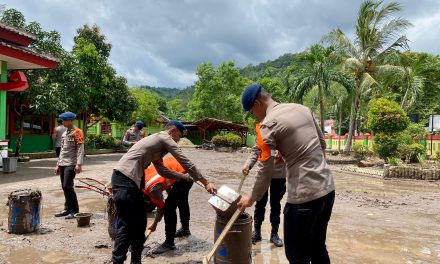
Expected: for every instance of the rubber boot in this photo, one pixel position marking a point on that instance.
(274, 238)
(256, 235)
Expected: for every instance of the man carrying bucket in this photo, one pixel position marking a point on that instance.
(177, 197)
(291, 129)
(127, 181)
(261, 152)
(70, 163)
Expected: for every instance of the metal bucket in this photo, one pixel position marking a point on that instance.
(237, 245)
(24, 211)
(83, 219)
(225, 201)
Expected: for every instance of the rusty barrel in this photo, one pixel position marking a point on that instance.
(24, 211)
(237, 245)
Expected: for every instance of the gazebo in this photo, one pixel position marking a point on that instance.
(207, 126)
(15, 55)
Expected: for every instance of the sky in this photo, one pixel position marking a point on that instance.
(161, 42)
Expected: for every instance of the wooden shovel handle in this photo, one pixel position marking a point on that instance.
(148, 234)
(222, 236)
(241, 183)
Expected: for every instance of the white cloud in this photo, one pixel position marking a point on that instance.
(161, 42)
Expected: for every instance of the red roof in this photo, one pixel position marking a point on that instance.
(16, 36)
(15, 51)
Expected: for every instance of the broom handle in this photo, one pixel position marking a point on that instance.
(222, 236)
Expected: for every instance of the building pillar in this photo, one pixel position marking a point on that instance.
(3, 116)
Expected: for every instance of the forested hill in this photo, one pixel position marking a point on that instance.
(268, 68)
(252, 72)
(171, 93)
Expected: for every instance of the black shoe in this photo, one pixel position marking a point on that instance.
(276, 240)
(70, 216)
(62, 213)
(256, 236)
(182, 233)
(165, 247)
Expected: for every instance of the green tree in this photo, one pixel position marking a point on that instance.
(175, 109)
(387, 120)
(377, 35)
(318, 72)
(217, 93)
(102, 92)
(147, 106)
(385, 116)
(413, 74)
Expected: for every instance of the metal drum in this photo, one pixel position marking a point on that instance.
(24, 211)
(236, 248)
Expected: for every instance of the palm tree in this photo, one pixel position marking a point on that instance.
(377, 35)
(316, 75)
(413, 73)
(340, 106)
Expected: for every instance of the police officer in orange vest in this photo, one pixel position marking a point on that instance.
(261, 152)
(292, 130)
(178, 192)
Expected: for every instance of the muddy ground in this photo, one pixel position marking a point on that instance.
(373, 221)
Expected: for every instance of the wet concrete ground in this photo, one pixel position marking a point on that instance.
(373, 221)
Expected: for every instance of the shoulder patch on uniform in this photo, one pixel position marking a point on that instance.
(79, 136)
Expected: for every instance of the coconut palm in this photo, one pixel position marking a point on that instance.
(317, 74)
(412, 74)
(377, 35)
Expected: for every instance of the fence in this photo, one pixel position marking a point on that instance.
(334, 141)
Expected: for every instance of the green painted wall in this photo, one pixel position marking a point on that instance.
(3, 116)
(32, 143)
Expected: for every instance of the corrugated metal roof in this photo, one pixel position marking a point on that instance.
(19, 32)
(29, 51)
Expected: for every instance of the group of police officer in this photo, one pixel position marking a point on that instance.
(289, 148)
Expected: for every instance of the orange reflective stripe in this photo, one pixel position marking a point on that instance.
(264, 149)
(152, 178)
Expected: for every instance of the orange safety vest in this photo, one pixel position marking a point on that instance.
(265, 151)
(152, 178)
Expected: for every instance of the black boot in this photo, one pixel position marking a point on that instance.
(136, 259)
(183, 232)
(274, 238)
(256, 235)
(164, 247)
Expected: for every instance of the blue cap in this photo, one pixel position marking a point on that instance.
(139, 124)
(248, 97)
(178, 125)
(66, 116)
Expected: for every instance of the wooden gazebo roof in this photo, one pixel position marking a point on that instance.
(207, 124)
(217, 124)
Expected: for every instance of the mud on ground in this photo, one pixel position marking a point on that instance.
(373, 221)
